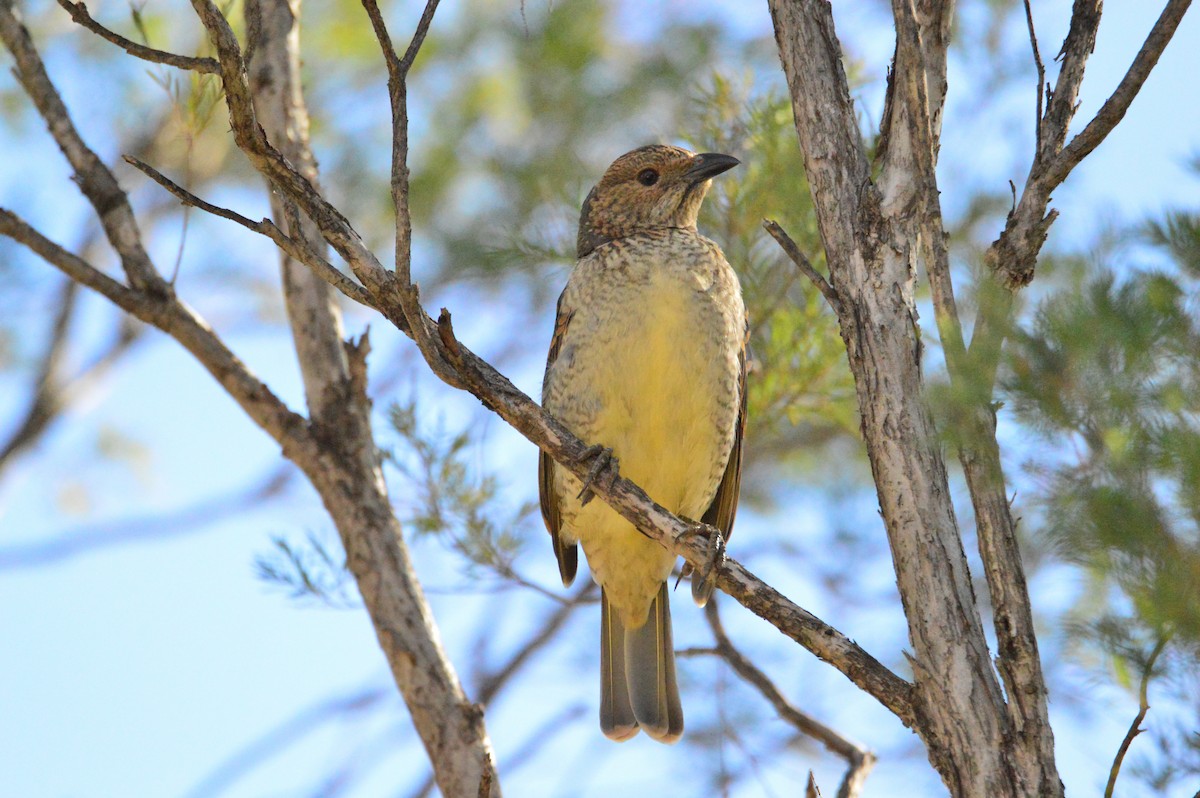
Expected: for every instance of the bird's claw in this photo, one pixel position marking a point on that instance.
(604, 459)
(705, 579)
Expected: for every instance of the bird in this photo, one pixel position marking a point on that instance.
(647, 365)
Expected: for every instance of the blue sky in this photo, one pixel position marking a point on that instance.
(135, 670)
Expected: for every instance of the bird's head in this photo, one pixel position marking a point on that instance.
(650, 188)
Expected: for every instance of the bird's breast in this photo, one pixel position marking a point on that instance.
(659, 345)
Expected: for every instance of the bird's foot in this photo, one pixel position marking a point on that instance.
(604, 460)
(705, 579)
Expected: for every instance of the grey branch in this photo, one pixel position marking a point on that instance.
(874, 231)
(294, 247)
(859, 760)
(802, 263)
(94, 179)
(1114, 108)
(79, 13)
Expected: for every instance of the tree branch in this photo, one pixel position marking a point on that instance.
(180, 322)
(296, 248)
(859, 760)
(1114, 108)
(872, 231)
(451, 728)
(1012, 258)
(93, 177)
(802, 263)
(79, 13)
(398, 70)
(1143, 707)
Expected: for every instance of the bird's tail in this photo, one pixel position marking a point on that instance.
(637, 673)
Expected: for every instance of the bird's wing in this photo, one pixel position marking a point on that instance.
(567, 554)
(724, 504)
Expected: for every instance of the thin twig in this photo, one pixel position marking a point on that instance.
(295, 248)
(803, 264)
(1143, 707)
(1114, 108)
(79, 13)
(94, 179)
(858, 759)
(408, 293)
(414, 46)
(1041, 79)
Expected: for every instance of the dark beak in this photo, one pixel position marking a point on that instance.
(709, 164)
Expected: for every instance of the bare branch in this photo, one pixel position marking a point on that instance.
(93, 177)
(1041, 79)
(181, 322)
(1012, 259)
(1143, 707)
(295, 248)
(872, 230)
(398, 97)
(79, 13)
(858, 759)
(802, 263)
(1114, 108)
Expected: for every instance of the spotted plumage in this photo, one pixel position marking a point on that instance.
(648, 359)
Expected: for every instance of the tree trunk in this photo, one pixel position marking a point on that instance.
(872, 236)
(351, 483)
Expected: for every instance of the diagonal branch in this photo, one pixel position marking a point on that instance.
(859, 760)
(1114, 108)
(93, 177)
(1143, 707)
(79, 13)
(293, 247)
(180, 322)
(802, 263)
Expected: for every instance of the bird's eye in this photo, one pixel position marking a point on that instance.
(647, 177)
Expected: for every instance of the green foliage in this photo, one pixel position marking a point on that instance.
(448, 500)
(1108, 373)
(309, 569)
